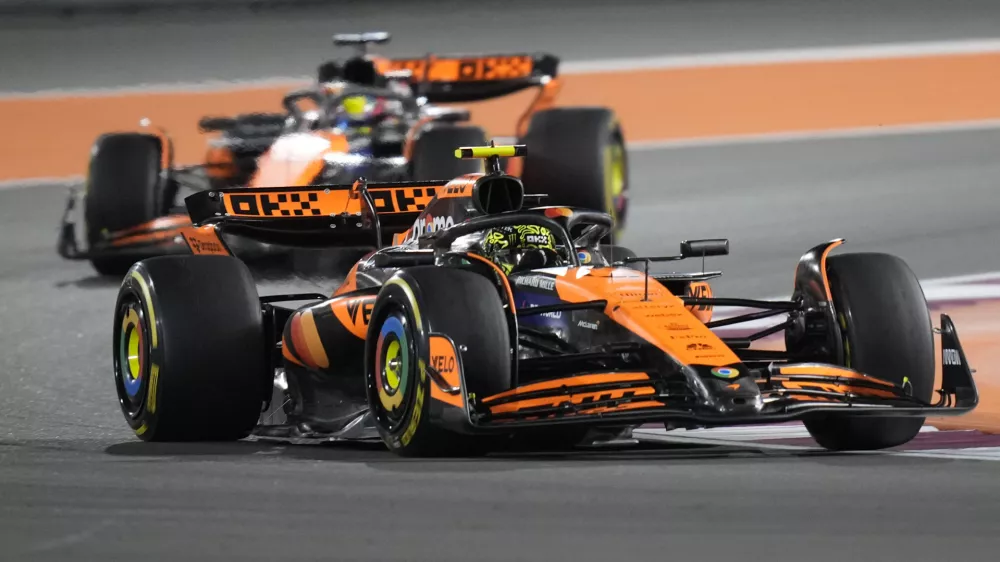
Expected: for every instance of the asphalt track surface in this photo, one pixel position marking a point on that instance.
(75, 484)
(163, 46)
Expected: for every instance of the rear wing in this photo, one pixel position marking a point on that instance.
(474, 77)
(317, 216)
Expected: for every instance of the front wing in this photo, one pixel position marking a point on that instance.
(161, 236)
(786, 392)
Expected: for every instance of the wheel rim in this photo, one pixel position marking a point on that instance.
(132, 357)
(393, 364)
(616, 201)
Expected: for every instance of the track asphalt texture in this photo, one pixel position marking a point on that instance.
(164, 46)
(75, 484)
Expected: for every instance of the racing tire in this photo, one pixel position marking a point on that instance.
(190, 358)
(123, 190)
(887, 333)
(577, 157)
(433, 156)
(411, 305)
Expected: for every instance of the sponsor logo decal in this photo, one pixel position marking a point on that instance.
(457, 189)
(203, 246)
(725, 372)
(951, 357)
(588, 325)
(444, 364)
(536, 281)
(699, 290)
(316, 202)
(361, 310)
(428, 224)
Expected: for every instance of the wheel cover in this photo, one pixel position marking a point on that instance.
(392, 365)
(132, 357)
(616, 202)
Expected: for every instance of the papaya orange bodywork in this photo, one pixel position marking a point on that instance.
(205, 240)
(296, 159)
(353, 313)
(444, 360)
(662, 319)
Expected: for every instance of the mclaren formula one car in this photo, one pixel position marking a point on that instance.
(490, 321)
(367, 116)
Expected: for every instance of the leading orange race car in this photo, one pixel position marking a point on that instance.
(491, 322)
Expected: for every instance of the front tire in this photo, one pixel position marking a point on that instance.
(411, 305)
(190, 360)
(887, 333)
(123, 190)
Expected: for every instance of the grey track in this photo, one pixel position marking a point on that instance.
(76, 485)
(168, 45)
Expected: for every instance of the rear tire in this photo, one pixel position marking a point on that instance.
(415, 302)
(123, 190)
(887, 334)
(433, 156)
(190, 360)
(577, 157)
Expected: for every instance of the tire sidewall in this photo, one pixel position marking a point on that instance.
(144, 420)
(400, 294)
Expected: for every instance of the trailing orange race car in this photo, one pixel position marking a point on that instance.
(367, 116)
(490, 322)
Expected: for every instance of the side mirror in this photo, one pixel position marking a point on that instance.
(706, 247)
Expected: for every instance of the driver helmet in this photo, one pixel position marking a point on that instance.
(360, 108)
(520, 247)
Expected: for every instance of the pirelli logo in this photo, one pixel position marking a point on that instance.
(276, 204)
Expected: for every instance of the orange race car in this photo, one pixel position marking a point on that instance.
(367, 116)
(492, 322)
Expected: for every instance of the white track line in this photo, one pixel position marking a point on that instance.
(818, 135)
(990, 276)
(167, 88)
(39, 182)
(735, 58)
(939, 289)
(785, 56)
(746, 437)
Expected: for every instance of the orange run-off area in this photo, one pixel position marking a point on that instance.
(48, 136)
